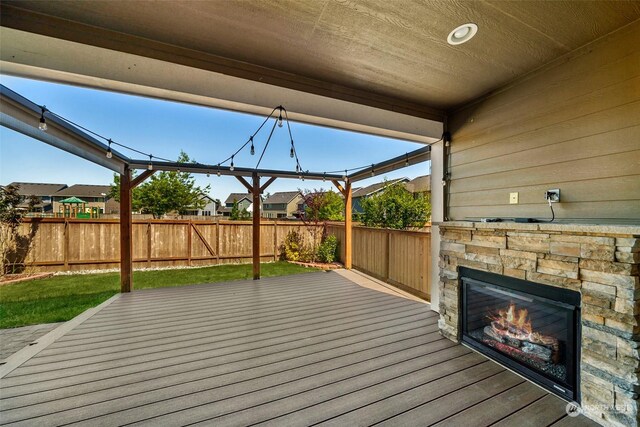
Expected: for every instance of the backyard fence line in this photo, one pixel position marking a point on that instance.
(59, 244)
(399, 257)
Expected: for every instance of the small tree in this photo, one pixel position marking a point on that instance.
(10, 219)
(320, 207)
(166, 192)
(235, 212)
(395, 207)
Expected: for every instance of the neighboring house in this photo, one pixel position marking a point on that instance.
(43, 191)
(281, 205)
(370, 190)
(95, 196)
(244, 201)
(420, 185)
(210, 208)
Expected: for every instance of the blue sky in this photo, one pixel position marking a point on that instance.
(162, 128)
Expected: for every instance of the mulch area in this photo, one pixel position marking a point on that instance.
(320, 265)
(9, 279)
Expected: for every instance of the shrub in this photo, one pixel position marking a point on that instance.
(294, 248)
(327, 249)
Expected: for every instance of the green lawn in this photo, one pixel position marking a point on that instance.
(61, 298)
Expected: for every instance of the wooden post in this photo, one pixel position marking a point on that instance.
(189, 226)
(65, 249)
(256, 226)
(218, 241)
(126, 246)
(148, 243)
(347, 225)
(275, 240)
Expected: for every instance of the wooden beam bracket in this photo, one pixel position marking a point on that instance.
(140, 178)
(267, 184)
(245, 183)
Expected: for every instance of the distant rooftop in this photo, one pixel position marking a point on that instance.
(84, 190)
(374, 188)
(37, 188)
(282, 197)
(237, 197)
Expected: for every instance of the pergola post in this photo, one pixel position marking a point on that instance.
(126, 229)
(347, 225)
(346, 192)
(256, 226)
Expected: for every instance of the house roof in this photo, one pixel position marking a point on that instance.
(282, 197)
(420, 184)
(374, 188)
(84, 190)
(237, 197)
(37, 189)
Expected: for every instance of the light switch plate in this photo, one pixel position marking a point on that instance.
(513, 198)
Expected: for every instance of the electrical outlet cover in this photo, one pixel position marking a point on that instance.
(513, 198)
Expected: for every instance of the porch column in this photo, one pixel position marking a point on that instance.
(126, 229)
(256, 226)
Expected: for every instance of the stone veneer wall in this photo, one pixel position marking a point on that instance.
(601, 262)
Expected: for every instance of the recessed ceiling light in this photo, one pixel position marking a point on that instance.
(462, 34)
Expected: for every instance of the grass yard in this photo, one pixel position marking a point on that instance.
(61, 298)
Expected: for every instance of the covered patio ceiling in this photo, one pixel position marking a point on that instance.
(385, 69)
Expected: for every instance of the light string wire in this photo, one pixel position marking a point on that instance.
(299, 169)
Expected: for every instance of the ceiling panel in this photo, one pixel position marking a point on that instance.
(395, 49)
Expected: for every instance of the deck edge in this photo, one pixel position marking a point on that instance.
(21, 356)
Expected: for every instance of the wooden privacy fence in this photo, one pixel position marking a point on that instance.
(58, 244)
(401, 258)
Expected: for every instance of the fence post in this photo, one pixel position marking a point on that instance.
(388, 255)
(275, 240)
(189, 226)
(218, 241)
(149, 243)
(65, 250)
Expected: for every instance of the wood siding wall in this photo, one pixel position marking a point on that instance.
(575, 125)
(56, 244)
(401, 258)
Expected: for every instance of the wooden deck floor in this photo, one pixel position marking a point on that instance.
(298, 350)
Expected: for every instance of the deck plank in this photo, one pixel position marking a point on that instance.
(295, 350)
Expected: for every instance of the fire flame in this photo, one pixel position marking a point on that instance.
(519, 318)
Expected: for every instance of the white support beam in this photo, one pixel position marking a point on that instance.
(23, 116)
(45, 58)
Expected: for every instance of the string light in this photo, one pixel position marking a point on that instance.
(178, 170)
(150, 166)
(324, 176)
(253, 150)
(406, 159)
(280, 124)
(208, 174)
(231, 168)
(43, 122)
(373, 171)
(109, 153)
(345, 175)
(291, 152)
(218, 173)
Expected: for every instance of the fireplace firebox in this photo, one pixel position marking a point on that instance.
(530, 328)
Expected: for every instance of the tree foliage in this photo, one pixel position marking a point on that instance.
(165, 192)
(238, 214)
(395, 207)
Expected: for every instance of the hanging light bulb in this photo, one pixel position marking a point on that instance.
(178, 170)
(231, 168)
(291, 152)
(218, 169)
(150, 166)
(280, 119)
(208, 174)
(373, 171)
(297, 167)
(345, 175)
(109, 153)
(324, 178)
(43, 122)
(253, 150)
(406, 159)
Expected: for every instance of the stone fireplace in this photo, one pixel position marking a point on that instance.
(598, 263)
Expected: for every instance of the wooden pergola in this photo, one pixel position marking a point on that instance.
(22, 115)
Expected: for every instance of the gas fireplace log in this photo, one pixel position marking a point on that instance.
(492, 334)
(539, 351)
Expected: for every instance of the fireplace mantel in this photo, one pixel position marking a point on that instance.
(599, 261)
